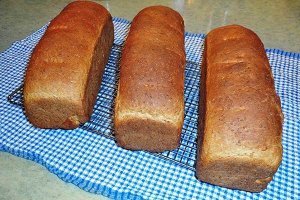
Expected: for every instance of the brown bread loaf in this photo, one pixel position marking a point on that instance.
(65, 70)
(149, 107)
(240, 118)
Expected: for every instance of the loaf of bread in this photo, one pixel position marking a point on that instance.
(240, 118)
(65, 70)
(149, 106)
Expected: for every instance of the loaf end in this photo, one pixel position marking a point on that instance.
(54, 113)
(147, 134)
(232, 173)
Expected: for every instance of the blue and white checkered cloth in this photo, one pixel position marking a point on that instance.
(96, 164)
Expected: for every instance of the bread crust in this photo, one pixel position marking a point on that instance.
(240, 117)
(149, 106)
(65, 69)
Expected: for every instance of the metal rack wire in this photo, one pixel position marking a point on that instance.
(101, 119)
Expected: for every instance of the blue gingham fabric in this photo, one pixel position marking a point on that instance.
(96, 164)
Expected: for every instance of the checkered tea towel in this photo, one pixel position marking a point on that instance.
(96, 164)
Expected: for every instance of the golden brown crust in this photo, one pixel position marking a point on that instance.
(149, 104)
(240, 121)
(66, 66)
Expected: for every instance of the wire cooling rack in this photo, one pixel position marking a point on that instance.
(101, 120)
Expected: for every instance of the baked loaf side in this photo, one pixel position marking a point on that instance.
(149, 106)
(65, 70)
(240, 123)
